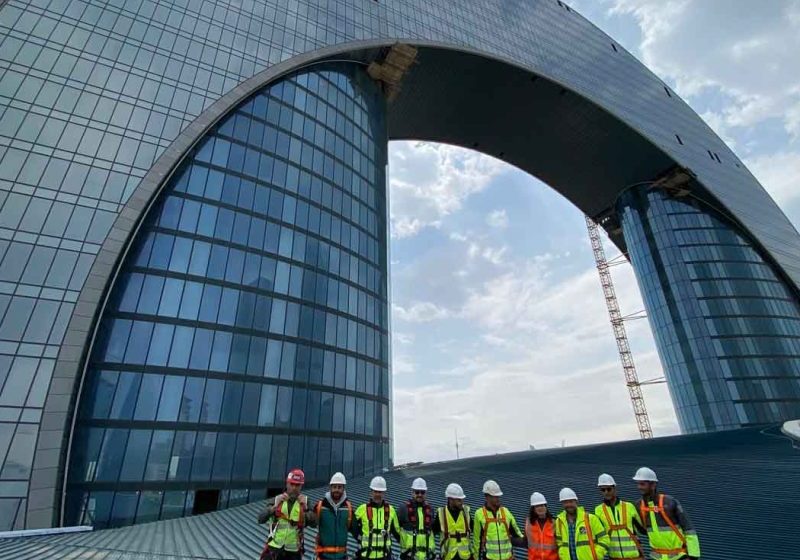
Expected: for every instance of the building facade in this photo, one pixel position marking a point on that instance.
(193, 245)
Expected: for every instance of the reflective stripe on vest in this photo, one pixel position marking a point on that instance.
(541, 540)
(375, 535)
(455, 534)
(497, 545)
(624, 543)
(663, 544)
(289, 525)
(418, 540)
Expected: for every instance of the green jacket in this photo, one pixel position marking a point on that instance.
(333, 524)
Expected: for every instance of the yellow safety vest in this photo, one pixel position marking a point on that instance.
(376, 524)
(455, 539)
(618, 521)
(420, 540)
(288, 530)
(591, 538)
(667, 542)
(492, 533)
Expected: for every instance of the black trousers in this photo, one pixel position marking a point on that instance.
(270, 553)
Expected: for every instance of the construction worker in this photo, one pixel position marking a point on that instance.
(289, 514)
(621, 520)
(669, 530)
(454, 526)
(334, 515)
(418, 524)
(580, 535)
(540, 531)
(494, 529)
(374, 523)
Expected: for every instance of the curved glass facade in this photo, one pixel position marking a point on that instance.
(726, 326)
(247, 332)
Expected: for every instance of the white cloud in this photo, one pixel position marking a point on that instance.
(431, 181)
(779, 173)
(748, 50)
(420, 312)
(497, 219)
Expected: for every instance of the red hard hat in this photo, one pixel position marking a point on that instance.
(296, 476)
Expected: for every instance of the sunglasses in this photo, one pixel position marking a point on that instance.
(607, 489)
(419, 492)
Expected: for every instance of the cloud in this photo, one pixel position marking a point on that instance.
(420, 312)
(746, 51)
(497, 219)
(779, 173)
(431, 181)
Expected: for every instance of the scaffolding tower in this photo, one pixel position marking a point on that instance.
(618, 324)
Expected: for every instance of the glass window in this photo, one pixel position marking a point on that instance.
(266, 411)
(170, 403)
(171, 297)
(135, 455)
(223, 457)
(203, 455)
(232, 402)
(111, 454)
(149, 393)
(283, 411)
(220, 353)
(261, 457)
(209, 305)
(181, 459)
(190, 302)
(192, 399)
(243, 458)
(212, 401)
(181, 345)
(160, 454)
(160, 345)
(201, 349)
(125, 396)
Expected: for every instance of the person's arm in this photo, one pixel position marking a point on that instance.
(561, 538)
(601, 537)
(394, 525)
(310, 519)
(638, 525)
(436, 528)
(477, 530)
(268, 512)
(402, 518)
(355, 526)
(681, 518)
(516, 537)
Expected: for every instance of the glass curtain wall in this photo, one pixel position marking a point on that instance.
(247, 331)
(726, 326)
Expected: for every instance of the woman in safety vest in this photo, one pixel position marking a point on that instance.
(539, 530)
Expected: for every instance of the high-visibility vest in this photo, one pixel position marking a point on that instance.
(455, 539)
(492, 534)
(618, 520)
(288, 531)
(591, 538)
(541, 540)
(376, 524)
(667, 540)
(332, 527)
(418, 541)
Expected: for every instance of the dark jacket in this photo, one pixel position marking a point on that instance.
(333, 522)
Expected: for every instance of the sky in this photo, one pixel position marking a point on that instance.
(499, 327)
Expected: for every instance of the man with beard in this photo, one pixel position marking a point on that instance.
(334, 515)
(418, 524)
(375, 523)
(494, 529)
(580, 535)
(454, 526)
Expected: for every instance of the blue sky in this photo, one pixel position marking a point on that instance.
(499, 325)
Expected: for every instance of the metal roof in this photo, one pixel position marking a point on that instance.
(740, 489)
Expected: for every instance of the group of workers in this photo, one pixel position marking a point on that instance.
(612, 531)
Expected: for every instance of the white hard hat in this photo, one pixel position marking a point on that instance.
(338, 478)
(537, 499)
(378, 484)
(567, 494)
(492, 488)
(454, 491)
(605, 480)
(419, 484)
(645, 475)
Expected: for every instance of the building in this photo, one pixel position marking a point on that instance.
(193, 246)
